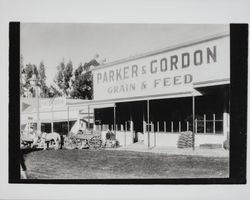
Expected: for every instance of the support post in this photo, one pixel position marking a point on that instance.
(88, 117)
(193, 114)
(125, 136)
(68, 117)
(172, 126)
(38, 111)
(94, 125)
(155, 134)
(196, 126)
(144, 127)
(28, 127)
(152, 127)
(52, 116)
(226, 124)
(214, 123)
(148, 123)
(205, 128)
(165, 127)
(131, 126)
(115, 119)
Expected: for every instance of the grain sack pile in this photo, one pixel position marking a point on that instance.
(185, 140)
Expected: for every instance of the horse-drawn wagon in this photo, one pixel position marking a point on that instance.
(43, 140)
(28, 139)
(85, 139)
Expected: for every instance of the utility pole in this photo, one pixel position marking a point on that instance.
(34, 83)
(52, 114)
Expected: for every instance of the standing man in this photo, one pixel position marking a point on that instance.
(23, 167)
(62, 141)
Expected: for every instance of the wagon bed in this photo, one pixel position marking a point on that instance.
(88, 139)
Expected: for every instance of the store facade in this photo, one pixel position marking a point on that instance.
(158, 95)
(54, 115)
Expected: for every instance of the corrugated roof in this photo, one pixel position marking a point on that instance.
(29, 105)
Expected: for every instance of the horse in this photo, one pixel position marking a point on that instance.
(48, 137)
(29, 138)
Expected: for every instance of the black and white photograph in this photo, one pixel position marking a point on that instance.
(146, 103)
(108, 101)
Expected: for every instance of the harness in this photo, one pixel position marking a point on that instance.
(44, 135)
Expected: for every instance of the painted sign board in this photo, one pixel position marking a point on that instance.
(58, 101)
(171, 71)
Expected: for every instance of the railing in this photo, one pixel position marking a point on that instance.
(127, 126)
(202, 126)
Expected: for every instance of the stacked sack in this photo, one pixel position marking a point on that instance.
(185, 140)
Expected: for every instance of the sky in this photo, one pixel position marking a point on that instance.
(54, 42)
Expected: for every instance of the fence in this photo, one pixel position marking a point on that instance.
(127, 126)
(203, 125)
(124, 132)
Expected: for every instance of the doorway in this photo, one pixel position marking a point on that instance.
(132, 111)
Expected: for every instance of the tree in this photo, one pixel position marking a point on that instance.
(78, 71)
(41, 73)
(82, 84)
(53, 91)
(59, 76)
(65, 84)
(63, 76)
(67, 76)
(26, 74)
(22, 77)
(42, 80)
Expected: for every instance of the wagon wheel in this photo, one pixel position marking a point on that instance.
(74, 143)
(78, 143)
(95, 142)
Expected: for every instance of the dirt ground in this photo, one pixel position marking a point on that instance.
(103, 164)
